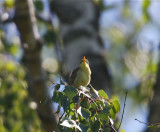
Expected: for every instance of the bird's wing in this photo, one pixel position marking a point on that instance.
(72, 76)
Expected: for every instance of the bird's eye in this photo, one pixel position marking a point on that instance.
(85, 61)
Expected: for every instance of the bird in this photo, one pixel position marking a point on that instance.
(81, 76)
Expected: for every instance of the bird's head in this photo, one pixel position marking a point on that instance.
(84, 62)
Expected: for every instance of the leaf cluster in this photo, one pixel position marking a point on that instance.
(15, 105)
(85, 109)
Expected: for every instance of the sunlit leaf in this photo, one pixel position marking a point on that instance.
(115, 109)
(102, 94)
(100, 103)
(116, 105)
(70, 123)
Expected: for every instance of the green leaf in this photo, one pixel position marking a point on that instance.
(84, 103)
(84, 127)
(145, 6)
(70, 91)
(55, 96)
(93, 112)
(72, 105)
(100, 104)
(58, 97)
(102, 94)
(103, 115)
(93, 106)
(70, 124)
(66, 104)
(115, 109)
(116, 106)
(112, 114)
(62, 100)
(95, 126)
(84, 112)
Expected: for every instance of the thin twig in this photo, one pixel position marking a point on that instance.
(123, 110)
(61, 116)
(141, 122)
(148, 124)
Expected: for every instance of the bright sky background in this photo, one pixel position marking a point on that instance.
(152, 32)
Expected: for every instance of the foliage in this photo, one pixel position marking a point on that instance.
(145, 6)
(85, 109)
(17, 111)
(154, 127)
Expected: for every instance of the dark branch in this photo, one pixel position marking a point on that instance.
(148, 124)
(123, 110)
(141, 122)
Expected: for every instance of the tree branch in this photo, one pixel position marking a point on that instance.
(26, 24)
(123, 110)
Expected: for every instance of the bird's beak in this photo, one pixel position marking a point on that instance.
(84, 59)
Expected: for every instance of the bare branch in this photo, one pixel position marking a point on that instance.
(148, 124)
(123, 110)
(141, 122)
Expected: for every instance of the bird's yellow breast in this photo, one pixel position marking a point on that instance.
(83, 76)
